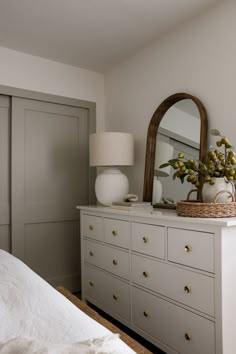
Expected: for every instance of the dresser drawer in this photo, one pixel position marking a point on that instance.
(110, 292)
(192, 248)
(117, 296)
(113, 260)
(94, 253)
(183, 331)
(117, 262)
(148, 239)
(93, 283)
(187, 287)
(93, 227)
(117, 232)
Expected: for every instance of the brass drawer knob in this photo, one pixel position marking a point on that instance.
(114, 232)
(91, 283)
(145, 314)
(187, 248)
(115, 297)
(187, 336)
(115, 262)
(91, 253)
(145, 239)
(91, 227)
(187, 289)
(145, 274)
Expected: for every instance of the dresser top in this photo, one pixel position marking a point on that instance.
(163, 214)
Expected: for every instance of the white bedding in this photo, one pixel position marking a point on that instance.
(30, 309)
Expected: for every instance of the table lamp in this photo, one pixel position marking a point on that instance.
(111, 149)
(164, 153)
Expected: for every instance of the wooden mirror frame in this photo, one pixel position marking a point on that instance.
(152, 134)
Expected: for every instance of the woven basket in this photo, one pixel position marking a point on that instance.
(198, 209)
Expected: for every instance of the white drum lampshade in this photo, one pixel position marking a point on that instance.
(164, 153)
(111, 149)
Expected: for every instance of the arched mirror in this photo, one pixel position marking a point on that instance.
(179, 124)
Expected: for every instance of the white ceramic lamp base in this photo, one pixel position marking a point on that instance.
(111, 186)
(157, 191)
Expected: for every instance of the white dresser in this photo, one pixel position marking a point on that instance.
(170, 279)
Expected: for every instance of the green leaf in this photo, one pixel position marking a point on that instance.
(182, 177)
(214, 132)
(173, 161)
(187, 165)
(174, 175)
(164, 165)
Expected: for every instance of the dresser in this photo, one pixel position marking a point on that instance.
(171, 279)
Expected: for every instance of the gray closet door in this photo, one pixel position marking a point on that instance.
(50, 177)
(5, 173)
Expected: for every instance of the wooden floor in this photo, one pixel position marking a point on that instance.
(152, 348)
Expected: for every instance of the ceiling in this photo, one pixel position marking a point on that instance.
(91, 34)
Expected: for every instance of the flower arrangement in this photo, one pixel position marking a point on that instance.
(218, 163)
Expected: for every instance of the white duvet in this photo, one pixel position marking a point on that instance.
(34, 315)
(104, 345)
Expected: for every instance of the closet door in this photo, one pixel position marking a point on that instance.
(5, 173)
(50, 176)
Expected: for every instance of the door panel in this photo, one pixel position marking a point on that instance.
(4, 172)
(5, 243)
(54, 145)
(52, 250)
(50, 176)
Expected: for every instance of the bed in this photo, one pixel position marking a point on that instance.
(36, 318)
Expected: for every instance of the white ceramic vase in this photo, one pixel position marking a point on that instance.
(157, 191)
(209, 191)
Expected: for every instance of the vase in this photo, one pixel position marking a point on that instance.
(209, 192)
(157, 191)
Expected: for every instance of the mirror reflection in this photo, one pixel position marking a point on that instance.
(179, 131)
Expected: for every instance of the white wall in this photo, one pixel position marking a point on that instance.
(198, 58)
(33, 73)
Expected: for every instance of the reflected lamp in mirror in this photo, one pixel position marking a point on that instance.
(164, 153)
(109, 150)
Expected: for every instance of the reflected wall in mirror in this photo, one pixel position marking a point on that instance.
(178, 125)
